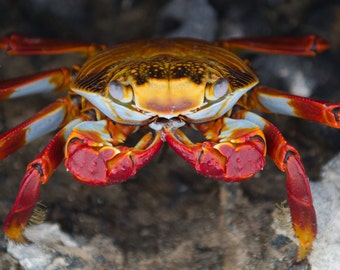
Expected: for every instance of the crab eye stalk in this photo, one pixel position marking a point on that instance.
(217, 90)
(120, 92)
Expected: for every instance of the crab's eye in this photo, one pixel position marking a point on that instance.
(120, 92)
(221, 88)
(217, 90)
(116, 90)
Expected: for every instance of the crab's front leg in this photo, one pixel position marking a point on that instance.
(38, 172)
(235, 149)
(299, 195)
(94, 157)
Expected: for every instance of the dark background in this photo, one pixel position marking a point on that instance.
(168, 217)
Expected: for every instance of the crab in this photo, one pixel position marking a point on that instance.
(163, 86)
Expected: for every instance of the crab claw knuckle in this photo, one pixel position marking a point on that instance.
(242, 161)
(210, 162)
(120, 168)
(129, 160)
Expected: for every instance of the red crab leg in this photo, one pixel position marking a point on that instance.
(270, 100)
(38, 172)
(93, 156)
(235, 150)
(15, 44)
(45, 121)
(48, 81)
(299, 195)
(306, 45)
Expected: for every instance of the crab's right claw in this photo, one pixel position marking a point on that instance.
(234, 159)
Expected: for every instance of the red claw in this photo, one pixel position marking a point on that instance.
(224, 161)
(95, 164)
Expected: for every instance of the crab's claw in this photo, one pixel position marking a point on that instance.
(92, 159)
(234, 157)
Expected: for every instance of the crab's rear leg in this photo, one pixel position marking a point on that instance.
(235, 149)
(306, 45)
(38, 172)
(16, 44)
(269, 100)
(48, 81)
(299, 195)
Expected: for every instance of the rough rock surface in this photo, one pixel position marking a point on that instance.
(168, 217)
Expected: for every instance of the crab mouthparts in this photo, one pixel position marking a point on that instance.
(172, 123)
(169, 107)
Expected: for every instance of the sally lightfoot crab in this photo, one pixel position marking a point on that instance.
(163, 85)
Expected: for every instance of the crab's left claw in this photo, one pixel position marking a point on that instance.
(93, 158)
(235, 150)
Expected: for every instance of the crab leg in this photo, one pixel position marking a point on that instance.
(93, 156)
(235, 150)
(299, 196)
(270, 100)
(306, 45)
(37, 173)
(45, 121)
(53, 80)
(15, 44)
